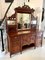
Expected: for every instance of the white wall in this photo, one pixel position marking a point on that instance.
(4, 7)
(36, 4)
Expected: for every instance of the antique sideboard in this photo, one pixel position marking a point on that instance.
(21, 31)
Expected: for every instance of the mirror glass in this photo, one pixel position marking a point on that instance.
(33, 22)
(10, 22)
(23, 21)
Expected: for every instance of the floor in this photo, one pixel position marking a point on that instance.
(28, 54)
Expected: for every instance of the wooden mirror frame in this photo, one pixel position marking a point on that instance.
(24, 9)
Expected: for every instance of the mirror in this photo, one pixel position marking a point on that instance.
(11, 22)
(23, 20)
(33, 22)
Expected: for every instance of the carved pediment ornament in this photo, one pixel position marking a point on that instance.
(23, 9)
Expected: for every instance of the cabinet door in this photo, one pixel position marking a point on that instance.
(15, 44)
(32, 37)
(26, 39)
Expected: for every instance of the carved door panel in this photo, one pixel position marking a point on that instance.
(32, 37)
(15, 44)
(25, 39)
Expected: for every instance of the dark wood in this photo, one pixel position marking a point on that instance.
(19, 38)
(24, 9)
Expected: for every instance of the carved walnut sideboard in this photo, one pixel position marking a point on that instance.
(19, 32)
